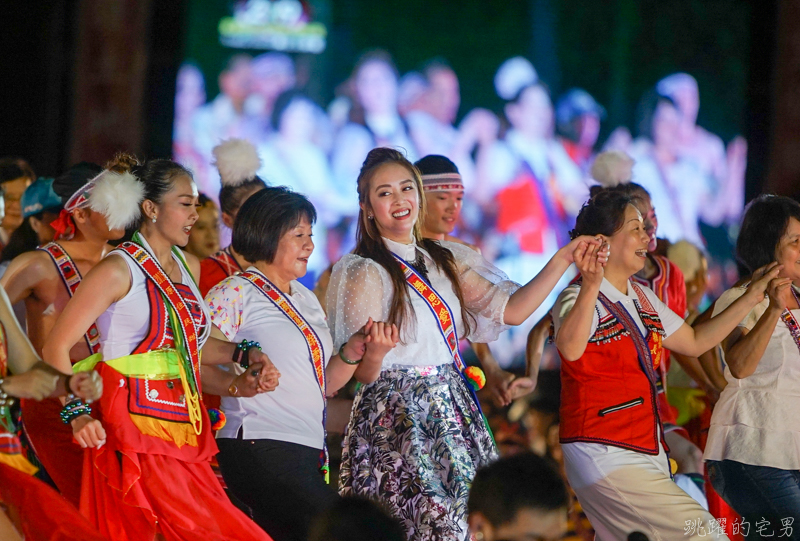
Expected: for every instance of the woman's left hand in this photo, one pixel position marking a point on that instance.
(268, 376)
(580, 245)
(86, 385)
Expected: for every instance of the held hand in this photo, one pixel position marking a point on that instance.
(88, 432)
(590, 260)
(87, 386)
(268, 375)
(779, 291)
(356, 346)
(382, 338)
(578, 245)
(498, 384)
(762, 277)
(35, 383)
(521, 387)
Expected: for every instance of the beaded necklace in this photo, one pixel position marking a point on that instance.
(791, 322)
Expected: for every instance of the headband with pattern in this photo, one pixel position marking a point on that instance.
(442, 182)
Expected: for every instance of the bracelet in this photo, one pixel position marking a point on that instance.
(73, 410)
(5, 400)
(240, 355)
(344, 359)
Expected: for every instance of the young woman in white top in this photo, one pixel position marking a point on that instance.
(610, 333)
(147, 472)
(753, 448)
(272, 446)
(416, 435)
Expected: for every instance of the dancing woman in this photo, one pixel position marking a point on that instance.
(272, 448)
(147, 470)
(416, 435)
(45, 279)
(610, 333)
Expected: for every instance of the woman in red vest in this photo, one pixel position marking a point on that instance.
(610, 333)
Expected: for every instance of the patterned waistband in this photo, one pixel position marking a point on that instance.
(395, 370)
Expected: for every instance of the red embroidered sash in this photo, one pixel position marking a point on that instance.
(226, 262)
(439, 308)
(71, 277)
(316, 353)
(181, 318)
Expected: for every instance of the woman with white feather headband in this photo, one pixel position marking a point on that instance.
(147, 470)
(238, 164)
(45, 279)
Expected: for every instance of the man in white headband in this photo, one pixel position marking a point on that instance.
(45, 279)
(444, 193)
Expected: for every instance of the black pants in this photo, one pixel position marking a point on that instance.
(279, 481)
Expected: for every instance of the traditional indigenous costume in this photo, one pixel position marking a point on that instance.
(611, 432)
(153, 474)
(215, 268)
(416, 435)
(670, 288)
(272, 447)
(51, 439)
(41, 512)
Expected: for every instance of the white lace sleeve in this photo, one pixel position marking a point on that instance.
(355, 293)
(486, 292)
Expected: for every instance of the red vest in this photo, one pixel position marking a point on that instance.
(608, 396)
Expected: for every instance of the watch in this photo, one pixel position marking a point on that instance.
(233, 389)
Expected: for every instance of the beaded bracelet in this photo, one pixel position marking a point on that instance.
(5, 400)
(241, 355)
(73, 410)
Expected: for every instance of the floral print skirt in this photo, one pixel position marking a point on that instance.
(414, 442)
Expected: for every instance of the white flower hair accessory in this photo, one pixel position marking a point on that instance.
(237, 161)
(118, 197)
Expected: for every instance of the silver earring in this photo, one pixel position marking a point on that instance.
(154, 218)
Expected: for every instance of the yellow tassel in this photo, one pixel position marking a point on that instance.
(18, 462)
(192, 402)
(180, 433)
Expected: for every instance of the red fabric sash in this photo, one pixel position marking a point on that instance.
(71, 277)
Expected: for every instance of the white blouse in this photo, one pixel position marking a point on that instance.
(756, 418)
(293, 411)
(360, 288)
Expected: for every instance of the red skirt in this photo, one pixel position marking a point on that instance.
(53, 444)
(40, 513)
(138, 485)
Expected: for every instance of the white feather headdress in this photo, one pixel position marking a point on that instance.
(118, 197)
(237, 161)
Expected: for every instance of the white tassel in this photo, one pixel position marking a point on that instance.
(237, 161)
(118, 197)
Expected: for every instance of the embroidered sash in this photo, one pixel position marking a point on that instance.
(316, 353)
(71, 277)
(186, 341)
(437, 305)
(791, 322)
(226, 262)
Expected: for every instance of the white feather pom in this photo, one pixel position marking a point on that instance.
(118, 197)
(237, 161)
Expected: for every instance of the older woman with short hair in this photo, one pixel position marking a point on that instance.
(272, 448)
(753, 448)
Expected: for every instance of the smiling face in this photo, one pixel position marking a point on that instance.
(787, 253)
(293, 251)
(628, 245)
(648, 211)
(442, 211)
(393, 201)
(177, 212)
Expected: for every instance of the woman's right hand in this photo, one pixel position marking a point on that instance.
(590, 260)
(381, 339)
(88, 432)
(35, 384)
(762, 281)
